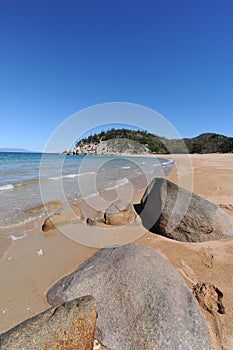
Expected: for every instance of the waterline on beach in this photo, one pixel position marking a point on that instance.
(26, 181)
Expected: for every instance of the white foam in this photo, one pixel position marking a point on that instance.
(122, 182)
(71, 176)
(119, 183)
(126, 167)
(23, 222)
(15, 238)
(92, 195)
(6, 187)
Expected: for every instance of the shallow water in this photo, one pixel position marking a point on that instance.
(30, 179)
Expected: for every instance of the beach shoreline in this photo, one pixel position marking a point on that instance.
(27, 276)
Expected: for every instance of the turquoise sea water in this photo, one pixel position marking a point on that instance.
(29, 179)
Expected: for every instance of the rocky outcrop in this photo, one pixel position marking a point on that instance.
(110, 147)
(176, 213)
(142, 301)
(73, 214)
(120, 212)
(70, 326)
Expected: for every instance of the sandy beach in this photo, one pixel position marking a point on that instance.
(26, 275)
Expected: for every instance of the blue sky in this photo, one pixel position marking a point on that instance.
(58, 57)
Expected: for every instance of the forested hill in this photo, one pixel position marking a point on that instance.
(204, 143)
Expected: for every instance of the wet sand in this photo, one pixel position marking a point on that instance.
(26, 276)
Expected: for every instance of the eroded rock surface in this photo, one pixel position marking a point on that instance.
(142, 301)
(70, 326)
(120, 212)
(176, 213)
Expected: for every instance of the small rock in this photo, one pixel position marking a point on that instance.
(119, 213)
(96, 218)
(66, 216)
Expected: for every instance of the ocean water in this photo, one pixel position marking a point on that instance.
(30, 179)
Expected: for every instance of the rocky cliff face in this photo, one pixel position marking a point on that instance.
(109, 147)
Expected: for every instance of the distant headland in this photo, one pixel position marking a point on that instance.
(125, 141)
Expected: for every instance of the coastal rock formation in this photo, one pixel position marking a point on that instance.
(48, 206)
(109, 147)
(68, 326)
(120, 212)
(176, 213)
(142, 301)
(65, 216)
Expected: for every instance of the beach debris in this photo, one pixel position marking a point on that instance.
(179, 214)
(4, 311)
(9, 258)
(40, 252)
(70, 325)
(132, 312)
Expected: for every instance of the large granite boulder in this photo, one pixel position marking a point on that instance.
(142, 301)
(70, 326)
(176, 213)
(73, 214)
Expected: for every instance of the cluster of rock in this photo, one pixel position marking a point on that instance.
(120, 212)
(83, 149)
(109, 147)
(132, 313)
(142, 301)
(165, 209)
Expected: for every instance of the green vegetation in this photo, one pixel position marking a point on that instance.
(204, 143)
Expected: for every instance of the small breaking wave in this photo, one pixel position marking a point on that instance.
(71, 176)
(119, 183)
(23, 222)
(7, 187)
(92, 195)
(15, 238)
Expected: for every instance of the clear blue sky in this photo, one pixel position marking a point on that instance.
(58, 57)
